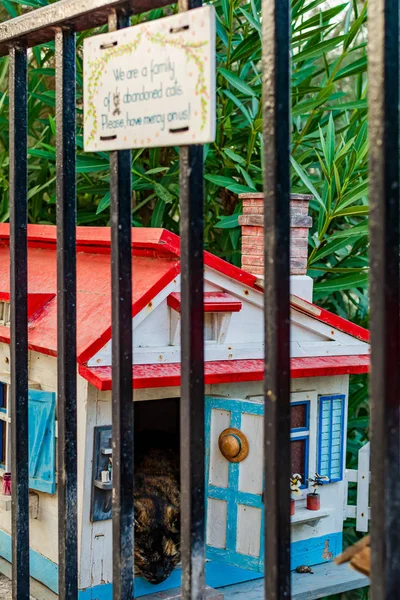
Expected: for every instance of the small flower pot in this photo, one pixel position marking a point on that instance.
(313, 501)
(6, 487)
(292, 507)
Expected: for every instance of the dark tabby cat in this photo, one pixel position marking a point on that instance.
(157, 509)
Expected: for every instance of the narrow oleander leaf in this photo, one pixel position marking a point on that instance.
(237, 83)
(307, 182)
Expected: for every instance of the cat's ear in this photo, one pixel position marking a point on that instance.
(173, 518)
(139, 513)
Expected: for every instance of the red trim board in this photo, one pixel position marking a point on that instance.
(329, 318)
(213, 302)
(169, 375)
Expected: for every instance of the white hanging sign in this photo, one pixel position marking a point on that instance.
(152, 84)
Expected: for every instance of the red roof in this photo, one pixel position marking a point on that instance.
(93, 281)
(156, 255)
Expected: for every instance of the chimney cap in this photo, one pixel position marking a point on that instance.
(254, 217)
(259, 195)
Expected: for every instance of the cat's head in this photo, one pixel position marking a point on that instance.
(157, 538)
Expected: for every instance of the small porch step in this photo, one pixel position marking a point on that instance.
(175, 594)
(328, 579)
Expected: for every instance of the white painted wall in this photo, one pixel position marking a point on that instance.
(154, 342)
(96, 541)
(332, 495)
(302, 286)
(94, 408)
(43, 530)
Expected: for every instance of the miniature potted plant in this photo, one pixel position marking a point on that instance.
(313, 498)
(295, 483)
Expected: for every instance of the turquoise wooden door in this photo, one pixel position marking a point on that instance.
(234, 490)
(235, 509)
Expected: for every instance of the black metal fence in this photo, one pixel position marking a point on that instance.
(384, 199)
(60, 21)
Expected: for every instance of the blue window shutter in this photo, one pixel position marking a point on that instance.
(331, 436)
(42, 468)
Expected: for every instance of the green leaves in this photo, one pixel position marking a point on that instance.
(158, 213)
(237, 83)
(356, 28)
(229, 184)
(330, 147)
(329, 142)
(307, 182)
(228, 222)
(248, 48)
(341, 282)
(104, 203)
(356, 192)
(163, 193)
(317, 50)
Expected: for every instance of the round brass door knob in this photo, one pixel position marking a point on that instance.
(233, 445)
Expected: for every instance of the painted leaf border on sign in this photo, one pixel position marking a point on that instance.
(97, 67)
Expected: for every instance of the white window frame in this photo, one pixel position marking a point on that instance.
(311, 433)
(6, 418)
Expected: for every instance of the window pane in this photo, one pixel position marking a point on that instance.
(299, 459)
(3, 395)
(298, 415)
(210, 333)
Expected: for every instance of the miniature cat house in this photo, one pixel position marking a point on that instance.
(325, 349)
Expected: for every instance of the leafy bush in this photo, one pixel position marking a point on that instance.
(329, 150)
(328, 62)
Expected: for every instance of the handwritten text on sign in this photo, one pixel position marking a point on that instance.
(152, 84)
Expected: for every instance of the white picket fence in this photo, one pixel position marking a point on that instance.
(362, 476)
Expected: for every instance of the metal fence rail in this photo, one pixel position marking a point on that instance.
(18, 99)
(385, 296)
(66, 309)
(60, 21)
(122, 405)
(276, 297)
(192, 366)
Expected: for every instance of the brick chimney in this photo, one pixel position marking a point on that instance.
(252, 223)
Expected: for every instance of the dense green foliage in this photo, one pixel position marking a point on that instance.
(329, 141)
(329, 150)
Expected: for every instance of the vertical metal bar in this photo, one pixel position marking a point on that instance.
(192, 379)
(19, 321)
(192, 366)
(122, 402)
(66, 315)
(276, 296)
(384, 199)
